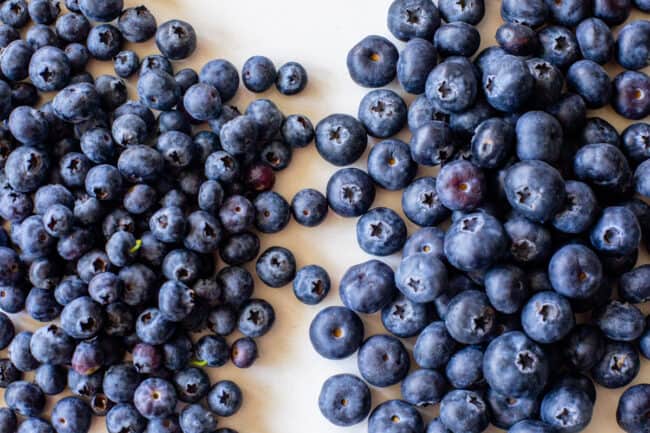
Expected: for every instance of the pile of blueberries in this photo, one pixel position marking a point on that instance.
(114, 218)
(513, 303)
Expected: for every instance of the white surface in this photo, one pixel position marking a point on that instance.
(281, 389)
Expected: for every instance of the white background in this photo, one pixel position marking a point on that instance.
(281, 389)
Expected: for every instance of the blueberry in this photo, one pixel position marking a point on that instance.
(124, 417)
(176, 39)
(102, 11)
(547, 317)
(192, 384)
(632, 407)
(492, 143)
(258, 74)
(469, 318)
(243, 352)
(383, 113)
(8, 421)
(71, 414)
(566, 408)
(239, 248)
(367, 287)
(617, 231)
(104, 42)
(434, 346)
(598, 130)
(517, 39)
(409, 19)
(383, 360)
(222, 320)
(603, 166)
(340, 139)
(452, 85)
(575, 272)
(225, 398)
(633, 286)
(630, 97)
(620, 321)
(508, 83)
(464, 370)
(35, 425)
(350, 192)
(471, 11)
(613, 12)
(29, 126)
(461, 186)
(642, 5)
(475, 241)
(20, 353)
(158, 90)
(223, 76)
(464, 411)
(539, 136)
(137, 24)
(618, 366)
(507, 411)
(276, 267)
(24, 398)
(530, 243)
(84, 386)
(126, 63)
(415, 62)
(421, 204)
(8, 373)
(154, 398)
(373, 61)
(381, 232)
(547, 82)
(428, 240)
(595, 40)
(535, 189)
(421, 278)
(14, 62)
(506, 287)
(203, 232)
(632, 45)
(344, 400)
(432, 143)
(311, 284)
(236, 284)
(590, 80)
(422, 111)
(291, 78)
(202, 102)
(195, 418)
(336, 332)
(532, 13)
(457, 39)
(272, 212)
(405, 318)
(256, 318)
(309, 207)
(640, 179)
(15, 13)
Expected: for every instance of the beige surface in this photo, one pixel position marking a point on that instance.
(281, 389)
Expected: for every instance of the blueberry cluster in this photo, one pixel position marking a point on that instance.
(512, 305)
(114, 219)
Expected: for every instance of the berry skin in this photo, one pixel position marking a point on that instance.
(202, 102)
(256, 318)
(559, 46)
(508, 83)
(613, 12)
(243, 352)
(428, 240)
(457, 39)
(632, 409)
(590, 80)
(272, 212)
(373, 61)
(532, 13)
(384, 417)
(24, 398)
(367, 287)
(340, 139)
(336, 332)
(465, 368)
(575, 272)
(404, 318)
(506, 411)
(580, 209)
(421, 277)
(381, 232)
(154, 398)
(383, 360)
(492, 143)
(421, 204)
(617, 231)
(434, 346)
(539, 136)
(195, 418)
(506, 287)
(584, 346)
(344, 400)
(535, 189)
(471, 12)
(297, 130)
(309, 207)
